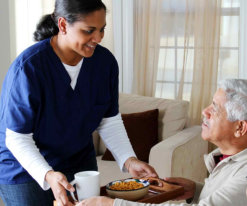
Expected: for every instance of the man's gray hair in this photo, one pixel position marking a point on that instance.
(236, 94)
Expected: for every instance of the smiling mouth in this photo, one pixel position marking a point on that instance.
(91, 46)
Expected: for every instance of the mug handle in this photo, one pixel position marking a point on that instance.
(73, 182)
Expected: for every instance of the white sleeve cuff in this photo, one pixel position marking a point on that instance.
(26, 152)
(114, 135)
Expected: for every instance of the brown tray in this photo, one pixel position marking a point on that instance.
(171, 192)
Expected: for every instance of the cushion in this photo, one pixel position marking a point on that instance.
(173, 114)
(142, 130)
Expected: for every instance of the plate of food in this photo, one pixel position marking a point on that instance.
(128, 189)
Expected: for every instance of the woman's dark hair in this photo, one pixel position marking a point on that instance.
(71, 10)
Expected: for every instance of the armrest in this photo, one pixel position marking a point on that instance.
(181, 155)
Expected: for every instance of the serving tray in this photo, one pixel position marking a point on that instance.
(156, 195)
(168, 192)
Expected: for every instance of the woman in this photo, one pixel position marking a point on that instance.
(56, 93)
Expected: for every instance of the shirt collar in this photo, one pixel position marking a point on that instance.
(210, 163)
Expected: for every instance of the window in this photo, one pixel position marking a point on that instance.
(229, 40)
(172, 45)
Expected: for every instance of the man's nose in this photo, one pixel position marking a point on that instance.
(206, 112)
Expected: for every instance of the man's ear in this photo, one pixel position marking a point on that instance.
(241, 129)
(244, 127)
(62, 23)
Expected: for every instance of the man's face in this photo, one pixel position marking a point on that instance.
(215, 127)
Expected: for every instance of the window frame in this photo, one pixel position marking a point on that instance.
(243, 40)
(224, 12)
(126, 72)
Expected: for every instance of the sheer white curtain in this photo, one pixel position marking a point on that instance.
(184, 47)
(206, 22)
(147, 25)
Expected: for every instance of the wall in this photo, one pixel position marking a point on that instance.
(5, 49)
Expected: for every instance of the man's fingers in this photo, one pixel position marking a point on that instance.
(173, 180)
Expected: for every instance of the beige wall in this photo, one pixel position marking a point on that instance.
(5, 51)
(108, 38)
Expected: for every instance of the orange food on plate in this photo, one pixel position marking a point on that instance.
(131, 185)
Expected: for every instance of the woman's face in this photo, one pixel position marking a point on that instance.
(83, 36)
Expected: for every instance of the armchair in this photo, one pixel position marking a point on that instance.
(180, 149)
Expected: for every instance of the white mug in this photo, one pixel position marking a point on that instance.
(87, 185)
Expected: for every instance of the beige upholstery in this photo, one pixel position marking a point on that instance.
(179, 151)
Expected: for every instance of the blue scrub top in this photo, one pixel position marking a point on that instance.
(37, 98)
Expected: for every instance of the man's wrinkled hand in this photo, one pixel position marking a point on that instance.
(189, 186)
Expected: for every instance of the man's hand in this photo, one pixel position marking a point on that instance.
(99, 201)
(139, 169)
(189, 186)
(59, 184)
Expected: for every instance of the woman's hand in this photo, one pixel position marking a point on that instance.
(189, 186)
(139, 169)
(59, 184)
(99, 201)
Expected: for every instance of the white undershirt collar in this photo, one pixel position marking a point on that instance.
(73, 72)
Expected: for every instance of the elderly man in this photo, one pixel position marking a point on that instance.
(225, 125)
